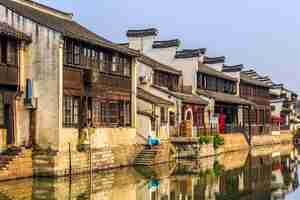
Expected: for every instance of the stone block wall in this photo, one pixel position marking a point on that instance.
(263, 140)
(3, 135)
(16, 189)
(75, 162)
(206, 150)
(233, 142)
(282, 149)
(163, 153)
(19, 167)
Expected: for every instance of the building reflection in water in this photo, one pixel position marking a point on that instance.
(266, 177)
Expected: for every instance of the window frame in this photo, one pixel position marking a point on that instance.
(71, 104)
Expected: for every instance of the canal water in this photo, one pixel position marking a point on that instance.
(233, 176)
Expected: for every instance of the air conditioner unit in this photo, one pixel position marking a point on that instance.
(30, 103)
(145, 79)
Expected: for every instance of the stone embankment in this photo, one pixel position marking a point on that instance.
(237, 142)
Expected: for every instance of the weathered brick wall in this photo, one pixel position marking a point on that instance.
(19, 167)
(58, 164)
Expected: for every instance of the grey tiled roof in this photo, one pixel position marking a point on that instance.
(191, 98)
(246, 79)
(212, 72)
(190, 53)
(166, 43)
(67, 27)
(186, 98)
(7, 30)
(149, 97)
(232, 68)
(142, 32)
(225, 98)
(147, 113)
(214, 60)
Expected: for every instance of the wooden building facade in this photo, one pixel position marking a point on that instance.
(97, 86)
(260, 115)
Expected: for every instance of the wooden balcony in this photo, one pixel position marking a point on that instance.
(8, 75)
(108, 81)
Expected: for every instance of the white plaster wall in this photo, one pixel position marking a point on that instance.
(143, 128)
(144, 70)
(216, 66)
(276, 91)
(41, 65)
(163, 55)
(189, 68)
(142, 44)
(278, 108)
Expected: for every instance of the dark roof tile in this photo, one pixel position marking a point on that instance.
(190, 53)
(166, 43)
(149, 97)
(233, 68)
(142, 32)
(186, 98)
(212, 72)
(67, 27)
(246, 79)
(214, 60)
(225, 98)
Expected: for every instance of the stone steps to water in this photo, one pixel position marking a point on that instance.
(147, 156)
(8, 156)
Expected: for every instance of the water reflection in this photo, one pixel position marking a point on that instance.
(235, 176)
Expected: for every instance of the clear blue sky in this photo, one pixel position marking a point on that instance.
(264, 34)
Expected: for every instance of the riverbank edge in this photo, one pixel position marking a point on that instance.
(56, 164)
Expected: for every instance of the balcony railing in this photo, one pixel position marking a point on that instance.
(208, 130)
(211, 129)
(277, 127)
(108, 80)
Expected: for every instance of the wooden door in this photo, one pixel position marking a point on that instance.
(9, 123)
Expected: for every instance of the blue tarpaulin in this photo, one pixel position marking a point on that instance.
(153, 141)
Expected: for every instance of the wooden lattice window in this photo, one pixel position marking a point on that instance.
(163, 115)
(107, 63)
(101, 61)
(76, 54)
(127, 113)
(211, 83)
(172, 118)
(126, 67)
(71, 111)
(96, 107)
(111, 114)
(68, 52)
(12, 52)
(153, 124)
